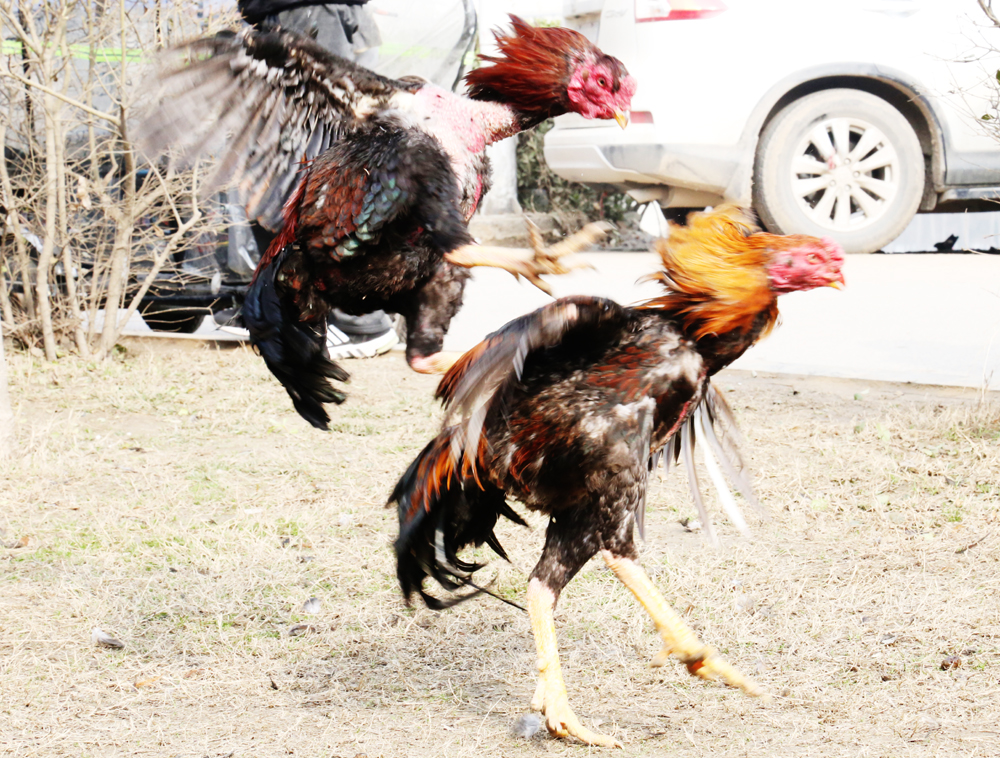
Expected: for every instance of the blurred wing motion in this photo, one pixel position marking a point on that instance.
(566, 410)
(275, 99)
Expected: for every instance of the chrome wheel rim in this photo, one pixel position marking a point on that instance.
(844, 174)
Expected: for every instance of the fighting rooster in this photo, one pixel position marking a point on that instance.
(371, 180)
(566, 408)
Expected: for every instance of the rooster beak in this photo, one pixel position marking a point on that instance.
(838, 283)
(622, 118)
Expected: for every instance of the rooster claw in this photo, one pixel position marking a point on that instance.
(709, 665)
(551, 701)
(540, 261)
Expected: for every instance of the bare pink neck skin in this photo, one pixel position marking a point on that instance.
(474, 123)
(497, 121)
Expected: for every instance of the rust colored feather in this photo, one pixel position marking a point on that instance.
(714, 271)
(438, 467)
(453, 378)
(533, 69)
(433, 474)
(289, 230)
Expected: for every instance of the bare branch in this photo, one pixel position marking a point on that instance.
(987, 6)
(65, 98)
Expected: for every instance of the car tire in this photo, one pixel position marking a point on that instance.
(813, 175)
(165, 318)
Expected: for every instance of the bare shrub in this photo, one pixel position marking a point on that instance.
(86, 223)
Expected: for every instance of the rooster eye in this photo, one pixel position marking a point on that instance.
(813, 258)
(602, 81)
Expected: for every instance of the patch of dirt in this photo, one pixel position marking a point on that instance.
(176, 502)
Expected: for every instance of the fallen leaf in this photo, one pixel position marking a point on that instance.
(148, 682)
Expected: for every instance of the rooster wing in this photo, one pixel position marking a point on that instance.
(281, 97)
(487, 373)
(485, 377)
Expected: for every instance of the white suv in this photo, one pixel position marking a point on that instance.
(839, 118)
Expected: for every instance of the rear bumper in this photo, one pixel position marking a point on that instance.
(599, 156)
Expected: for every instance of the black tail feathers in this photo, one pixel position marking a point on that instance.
(439, 514)
(294, 350)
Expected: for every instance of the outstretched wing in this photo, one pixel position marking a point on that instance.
(486, 373)
(280, 97)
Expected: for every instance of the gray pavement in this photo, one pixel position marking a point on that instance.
(925, 318)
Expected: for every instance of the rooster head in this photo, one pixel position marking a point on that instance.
(600, 87)
(799, 262)
(547, 71)
(721, 272)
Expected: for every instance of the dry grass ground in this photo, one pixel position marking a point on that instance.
(176, 502)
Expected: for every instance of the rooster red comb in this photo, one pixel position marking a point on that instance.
(547, 71)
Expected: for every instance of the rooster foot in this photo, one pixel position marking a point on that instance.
(678, 638)
(552, 702)
(436, 363)
(540, 260)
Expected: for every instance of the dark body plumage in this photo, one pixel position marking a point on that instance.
(602, 389)
(566, 408)
(370, 221)
(371, 180)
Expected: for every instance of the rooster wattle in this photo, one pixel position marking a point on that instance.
(371, 180)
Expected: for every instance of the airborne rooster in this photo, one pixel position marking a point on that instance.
(564, 410)
(371, 180)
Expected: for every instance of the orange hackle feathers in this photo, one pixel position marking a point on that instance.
(714, 271)
(532, 69)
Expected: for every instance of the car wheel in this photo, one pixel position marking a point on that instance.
(840, 163)
(161, 317)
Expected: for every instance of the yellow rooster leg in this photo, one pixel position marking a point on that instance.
(436, 363)
(541, 259)
(550, 695)
(678, 638)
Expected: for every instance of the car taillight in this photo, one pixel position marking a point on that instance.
(676, 10)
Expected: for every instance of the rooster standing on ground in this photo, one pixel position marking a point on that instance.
(371, 180)
(565, 409)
